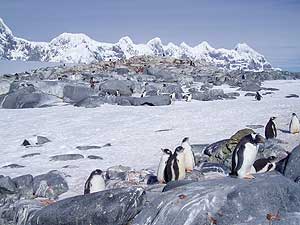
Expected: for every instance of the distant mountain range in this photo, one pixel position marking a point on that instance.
(79, 48)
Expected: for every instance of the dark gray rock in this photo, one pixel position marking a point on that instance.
(270, 89)
(49, 185)
(122, 70)
(7, 184)
(88, 147)
(198, 150)
(255, 126)
(233, 94)
(292, 96)
(94, 157)
(207, 167)
(173, 89)
(42, 140)
(211, 149)
(76, 93)
(66, 157)
(13, 166)
(292, 168)
(24, 210)
(30, 155)
(125, 87)
(158, 100)
(175, 184)
(91, 102)
(225, 201)
(209, 95)
(117, 172)
(268, 93)
(109, 207)
(250, 94)
(26, 98)
(24, 185)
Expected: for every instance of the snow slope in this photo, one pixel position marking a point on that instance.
(131, 131)
(79, 48)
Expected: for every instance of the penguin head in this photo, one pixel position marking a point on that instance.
(257, 138)
(294, 114)
(179, 149)
(186, 139)
(97, 172)
(166, 151)
(273, 118)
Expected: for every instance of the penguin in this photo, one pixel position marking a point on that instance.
(175, 169)
(270, 129)
(143, 94)
(263, 165)
(158, 92)
(118, 93)
(162, 164)
(188, 97)
(244, 155)
(258, 97)
(173, 96)
(294, 124)
(189, 159)
(95, 182)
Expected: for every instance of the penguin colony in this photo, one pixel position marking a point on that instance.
(175, 165)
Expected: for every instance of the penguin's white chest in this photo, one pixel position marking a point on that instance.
(294, 125)
(97, 183)
(181, 166)
(249, 157)
(189, 160)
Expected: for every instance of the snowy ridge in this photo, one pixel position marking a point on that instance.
(79, 48)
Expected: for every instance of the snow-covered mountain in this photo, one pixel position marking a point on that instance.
(79, 48)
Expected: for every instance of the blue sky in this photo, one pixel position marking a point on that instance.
(272, 27)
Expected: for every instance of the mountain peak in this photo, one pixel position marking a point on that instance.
(155, 41)
(125, 40)
(243, 47)
(4, 28)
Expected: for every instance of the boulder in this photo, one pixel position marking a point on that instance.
(24, 211)
(76, 93)
(250, 86)
(49, 185)
(7, 184)
(158, 100)
(225, 201)
(125, 87)
(27, 97)
(221, 151)
(116, 207)
(91, 102)
(117, 172)
(24, 185)
(292, 167)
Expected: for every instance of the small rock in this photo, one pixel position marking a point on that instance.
(95, 157)
(292, 96)
(66, 157)
(117, 172)
(255, 126)
(250, 94)
(7, 184)
(88, 147)
(30, 155)
(13, 166)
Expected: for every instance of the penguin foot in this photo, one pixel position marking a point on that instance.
(189, 171)
(249, 177)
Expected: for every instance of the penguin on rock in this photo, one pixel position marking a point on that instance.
(95, 182)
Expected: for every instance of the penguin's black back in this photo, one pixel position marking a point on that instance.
(175, 167)
(259, 164)
(87, 185)
(168, 169)
(269, 132)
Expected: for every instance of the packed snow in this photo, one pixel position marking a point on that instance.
(133, 132)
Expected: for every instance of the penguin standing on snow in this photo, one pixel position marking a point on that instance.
(188, 97)
(189, 158)
(264, 165)
(175, 169)
(162, 164)
(294, 124)
(143, 94)
(258, 97)
(244, 155)
(270, 129)
(95, 182)
(173, 96)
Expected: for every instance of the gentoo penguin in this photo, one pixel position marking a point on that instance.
(244, 155)
(143, 94)
(162, 164)
(173, 96)
(95, 182)
(158, 92)
(270, 129)
(118, 93)
(258, 97)
(189, 159)
(188, 97)
(263, 165)
(294, 124)
(175, 169)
